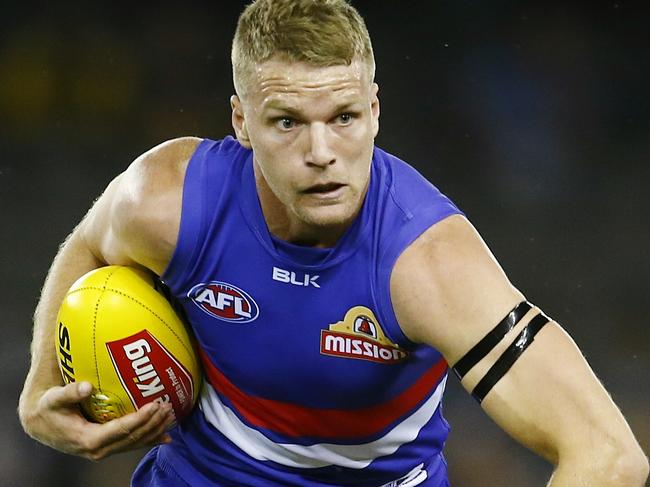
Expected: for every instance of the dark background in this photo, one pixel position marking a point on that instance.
(534, 117)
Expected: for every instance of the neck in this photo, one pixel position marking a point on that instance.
(283, 224)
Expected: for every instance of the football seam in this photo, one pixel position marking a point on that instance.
(99, 382)
(116, 291)
(99, 299)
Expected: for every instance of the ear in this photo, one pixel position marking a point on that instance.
(374, 108)
(239, 122)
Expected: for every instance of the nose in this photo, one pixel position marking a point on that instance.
(319, 152)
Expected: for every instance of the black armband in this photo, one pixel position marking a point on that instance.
(509, 357)
(489, 341)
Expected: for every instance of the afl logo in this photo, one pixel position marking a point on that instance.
(224, 301)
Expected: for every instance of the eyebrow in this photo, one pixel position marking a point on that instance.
(282, 106)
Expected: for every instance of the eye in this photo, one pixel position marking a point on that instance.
(345, 118)
(285, 123)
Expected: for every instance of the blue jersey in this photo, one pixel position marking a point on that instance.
(309, 380)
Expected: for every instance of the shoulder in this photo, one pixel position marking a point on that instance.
(409, 206)
(447, 287)
(154, 178)
(148, 207)
(410, 192)
(137, 219)
(158, 170)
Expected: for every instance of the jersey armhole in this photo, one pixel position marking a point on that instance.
(192, 218)
(412, 229)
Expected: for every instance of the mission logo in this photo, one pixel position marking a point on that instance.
(224, 301)
(359, 336)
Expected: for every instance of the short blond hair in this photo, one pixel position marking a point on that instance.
(318, 32)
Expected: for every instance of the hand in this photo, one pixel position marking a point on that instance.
(55, 420)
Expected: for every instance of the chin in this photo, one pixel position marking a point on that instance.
(326, 216)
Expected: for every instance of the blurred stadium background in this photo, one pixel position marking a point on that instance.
(534, 117)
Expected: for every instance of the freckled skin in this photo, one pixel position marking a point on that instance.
(312, 132)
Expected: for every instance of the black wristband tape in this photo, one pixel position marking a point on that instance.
(489, 341)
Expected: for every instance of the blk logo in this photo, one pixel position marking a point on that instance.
(225, 302)
(291, 277)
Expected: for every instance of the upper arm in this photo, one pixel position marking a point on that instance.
(448, 290)
(136, 220)
(549, 400)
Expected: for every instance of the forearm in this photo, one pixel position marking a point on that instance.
(72, 261)
(619, 469)
(50, 413)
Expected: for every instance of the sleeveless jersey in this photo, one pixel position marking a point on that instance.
(308, 378)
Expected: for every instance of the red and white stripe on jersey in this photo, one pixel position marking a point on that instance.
(416, 405)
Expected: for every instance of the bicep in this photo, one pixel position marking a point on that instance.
(105, 229)
(136, 220)
(547, 398)
(448, 290)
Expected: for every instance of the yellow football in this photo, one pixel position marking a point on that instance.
(117, 330)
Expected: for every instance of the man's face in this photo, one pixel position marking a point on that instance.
(312, 131)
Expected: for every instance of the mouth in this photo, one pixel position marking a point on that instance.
(325, 191)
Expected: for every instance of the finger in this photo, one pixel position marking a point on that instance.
(68, 395)
(149, 432)
(127, 439)
(101, 439)
(131, 427)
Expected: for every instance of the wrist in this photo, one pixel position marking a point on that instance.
(31, 394)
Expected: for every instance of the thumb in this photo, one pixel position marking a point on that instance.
(70, 393)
